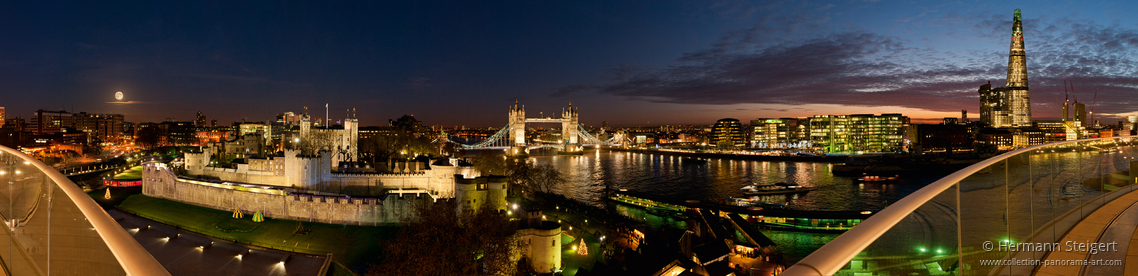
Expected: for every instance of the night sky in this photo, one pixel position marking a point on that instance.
(629, 63)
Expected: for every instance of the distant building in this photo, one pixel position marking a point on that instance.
(770, 133)
(15, 124)
(200, 120)
(1056, 131)
(1132, 123)
(994, 108)
(1004, 139)
(727, 132)
(100, 127)
(289, 118)
(1081, 113)
(2, 117)
(179, 133)
(47, 122)
(858, 133)
(944, 137)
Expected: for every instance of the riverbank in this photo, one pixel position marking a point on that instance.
(752, 157)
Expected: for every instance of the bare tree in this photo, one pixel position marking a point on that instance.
(317, 140)
(488, 163)
(542, 178)
(440, 241)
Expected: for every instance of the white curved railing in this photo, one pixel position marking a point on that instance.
(59, 229)
(982, 177)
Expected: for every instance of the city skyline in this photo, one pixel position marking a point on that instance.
(627, 64)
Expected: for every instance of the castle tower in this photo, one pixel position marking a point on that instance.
(1019, 102)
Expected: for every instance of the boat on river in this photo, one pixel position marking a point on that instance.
(753, 202)
(777, 188)
(877, 179)
(763, 215)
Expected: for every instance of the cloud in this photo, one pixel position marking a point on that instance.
(127, 102)
(571, 89)
(420, 83)
(862, 68)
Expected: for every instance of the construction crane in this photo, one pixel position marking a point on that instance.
(1095, 100)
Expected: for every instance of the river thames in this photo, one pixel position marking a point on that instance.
(589, 175)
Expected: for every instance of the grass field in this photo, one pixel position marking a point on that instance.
(132, 173)
(355, 246)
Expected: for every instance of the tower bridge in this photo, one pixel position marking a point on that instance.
(512, 136)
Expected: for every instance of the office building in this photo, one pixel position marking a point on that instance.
(200, 120)
(726, 133)
(858, 133)
(47, 122)
(771, 133)
(100, 127)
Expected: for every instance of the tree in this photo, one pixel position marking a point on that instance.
(519, 172)
(440, 241)
(488, 163)
(315, 141)
(379, 147)
(542, 178)
(148, 137)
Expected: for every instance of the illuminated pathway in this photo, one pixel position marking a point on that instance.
(184, 253)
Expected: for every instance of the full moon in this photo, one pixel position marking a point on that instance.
(118, 95)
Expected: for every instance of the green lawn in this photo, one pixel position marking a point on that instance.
(132, 173)
(355, 246)
(118, 195)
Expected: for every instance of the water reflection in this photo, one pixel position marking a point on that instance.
(588, 175)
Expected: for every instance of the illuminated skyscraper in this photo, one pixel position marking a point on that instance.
(1009, 106)
(1019, 102)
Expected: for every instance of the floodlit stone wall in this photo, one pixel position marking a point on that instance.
(314, 173)
(542, 246)
(389, 209)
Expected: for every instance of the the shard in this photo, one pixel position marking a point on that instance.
(1019, 100)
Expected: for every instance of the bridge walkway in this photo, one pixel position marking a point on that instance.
(1116, 221)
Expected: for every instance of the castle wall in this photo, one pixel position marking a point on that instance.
(481, 192)
(244, 176)
(389, 209)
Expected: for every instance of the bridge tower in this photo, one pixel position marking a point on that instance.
(569, 130)
(517, 129)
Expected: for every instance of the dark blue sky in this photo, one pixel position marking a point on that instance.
(628, 63)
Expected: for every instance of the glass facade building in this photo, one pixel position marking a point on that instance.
(1009, 106)
(858, 133)
(727, 132)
